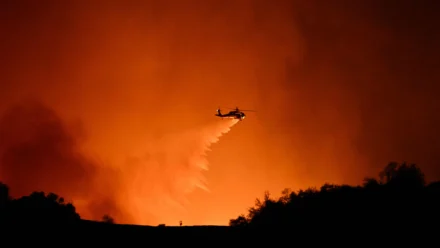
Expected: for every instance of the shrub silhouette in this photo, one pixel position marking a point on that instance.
(399, 197)
(108, 219)
(35, 209)
(38, 207)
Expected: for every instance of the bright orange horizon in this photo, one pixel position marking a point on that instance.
(340, 90)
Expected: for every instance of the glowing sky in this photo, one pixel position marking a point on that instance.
(87, 87)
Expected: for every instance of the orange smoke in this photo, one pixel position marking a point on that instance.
(39, 153)
(341, 87)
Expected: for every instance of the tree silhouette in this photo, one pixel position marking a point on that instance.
(399, 198)
(402, 175)
(40, 208)
(371, 183)
(108, 219)
(241, 221)
(399, 195)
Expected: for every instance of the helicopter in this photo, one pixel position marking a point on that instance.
(234, 114)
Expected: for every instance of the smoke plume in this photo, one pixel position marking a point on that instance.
(39, 153)
(341, 88)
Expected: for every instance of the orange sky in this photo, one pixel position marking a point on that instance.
(341, 89)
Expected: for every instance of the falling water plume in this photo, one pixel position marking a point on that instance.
(171, 168)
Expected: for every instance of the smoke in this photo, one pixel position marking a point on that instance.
(340, 87)
(38, 152)
(172, 167)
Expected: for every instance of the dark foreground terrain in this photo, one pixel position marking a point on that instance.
(95, 233)
(398, 209)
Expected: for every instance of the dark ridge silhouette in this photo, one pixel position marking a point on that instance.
(397, 207)
(400, 200)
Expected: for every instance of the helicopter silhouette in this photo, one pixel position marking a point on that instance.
(234, 114)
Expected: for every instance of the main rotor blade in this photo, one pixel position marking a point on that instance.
(239, 109)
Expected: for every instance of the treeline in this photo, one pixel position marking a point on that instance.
(398, 198)
(36, 208)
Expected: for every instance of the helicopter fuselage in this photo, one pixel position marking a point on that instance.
(232, 115)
